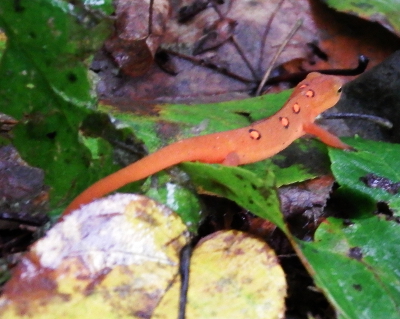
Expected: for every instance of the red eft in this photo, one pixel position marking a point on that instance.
(262, 139)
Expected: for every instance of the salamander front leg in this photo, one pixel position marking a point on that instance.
(325, 136)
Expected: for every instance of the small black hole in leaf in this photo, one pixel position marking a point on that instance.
(17, 6)
(383, 208)
(72, 77)
(51, 135)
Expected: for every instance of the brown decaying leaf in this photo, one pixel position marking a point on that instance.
(23, 193)
(217, 34)
(20, 182)
(302, 205)
(311, 195)
(341, 38)
(139, 28)
(23, 204)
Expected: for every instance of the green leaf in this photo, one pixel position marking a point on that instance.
(357, 288)
(385, 12)
(242, 186)
(356, 262)
(378, 158)
(181, 200)
(177, 121)
(44, 84)
(53, 38)
(356, 265)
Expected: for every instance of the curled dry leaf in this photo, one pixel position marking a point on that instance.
(22, 190)
(138, 32)
(23, 201)
(307, 197)
(232, 275)
(216, 35)
(112, 258)
(6, 122)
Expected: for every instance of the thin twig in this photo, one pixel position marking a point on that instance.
(184, 271)
(209, 65)
(300, 76)
(151, 17)
(266, 31)
(277, 54)
(242, 54)
(217, 10)
(236, 44)
(355, 116)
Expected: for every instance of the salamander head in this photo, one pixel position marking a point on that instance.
(318, 92)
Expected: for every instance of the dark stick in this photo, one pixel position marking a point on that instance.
(209, 65)
(375, 119)
(184, 271)
(299, 76)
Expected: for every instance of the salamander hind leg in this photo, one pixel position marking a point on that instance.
(232, 159)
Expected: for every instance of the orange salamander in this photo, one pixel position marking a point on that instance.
(262, 139)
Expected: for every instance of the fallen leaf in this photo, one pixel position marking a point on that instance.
(308, 196)
(385, 13)
(357, 270)
(372, 157)
(326, 40)
(112, 258)
(24, 183)
(232, 275)
(139, 28)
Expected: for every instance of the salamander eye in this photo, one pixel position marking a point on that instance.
(339, 90)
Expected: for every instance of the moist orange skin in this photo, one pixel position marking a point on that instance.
(261, 140)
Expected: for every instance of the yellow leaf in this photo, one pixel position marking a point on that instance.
(232, 275)
(113, 258)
